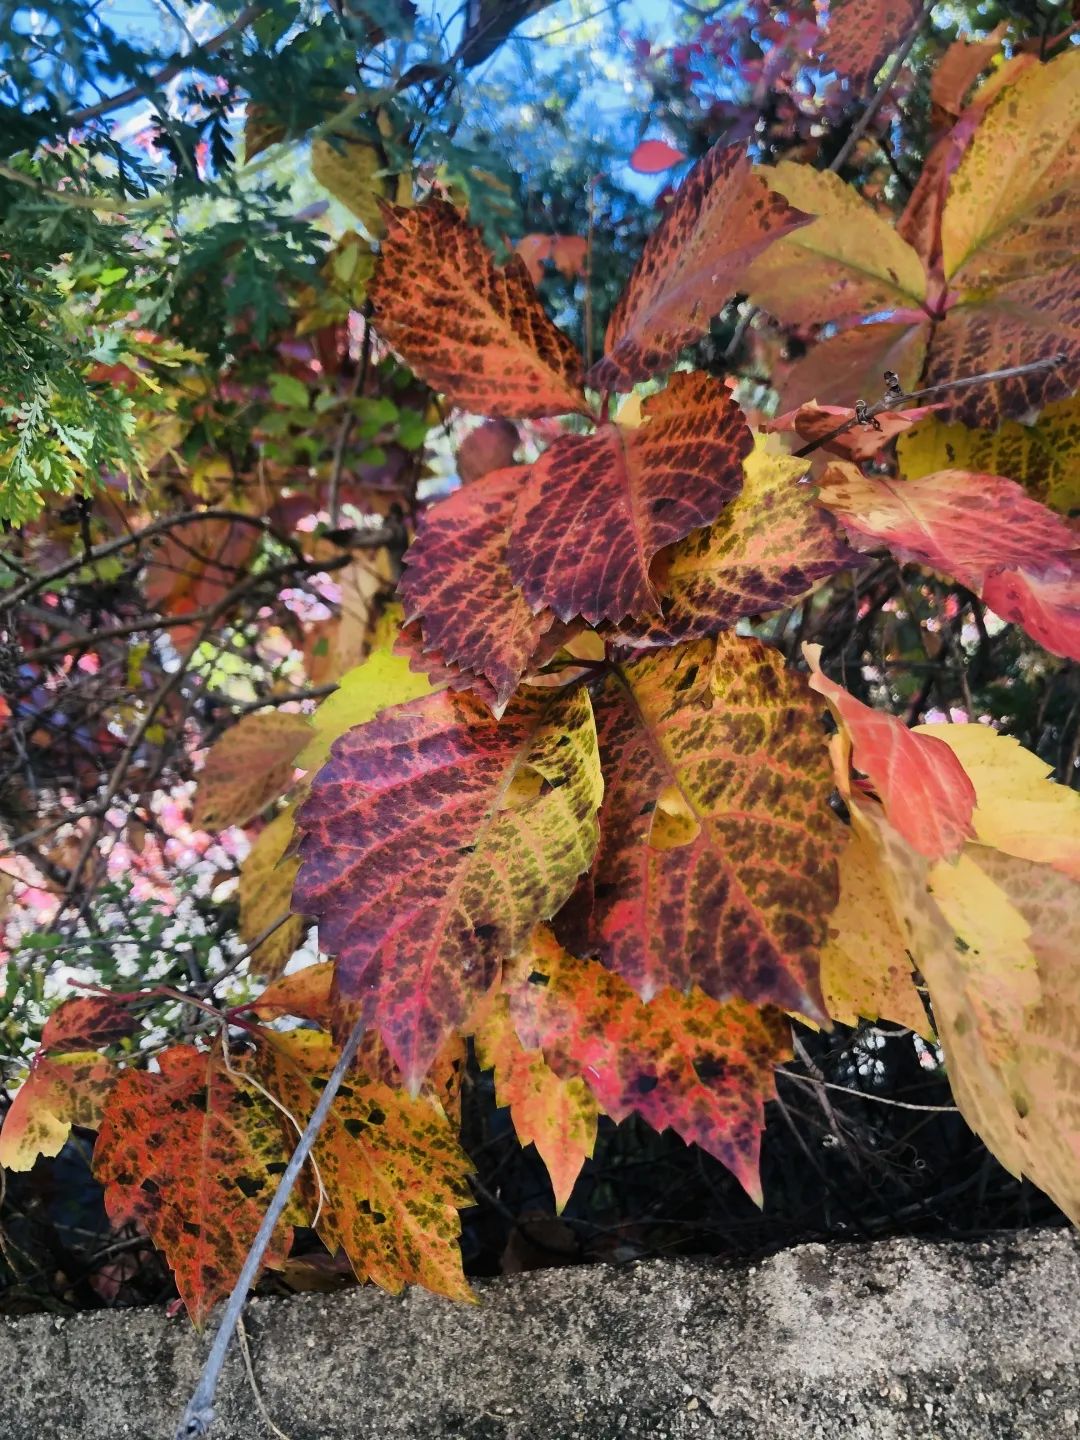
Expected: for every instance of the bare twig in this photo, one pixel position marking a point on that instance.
(897, 399)
(199, 1414)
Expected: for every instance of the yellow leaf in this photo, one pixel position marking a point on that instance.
(265, 893)
(850, 261)
(865, 968)
(1014, 200)
(1041, 457)
(382, 680)
(354, 170)
(1019, 809)
(61, 1090)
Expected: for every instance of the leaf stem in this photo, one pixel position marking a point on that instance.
(198, 1417)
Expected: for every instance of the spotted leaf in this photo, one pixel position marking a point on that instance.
(723, 216)
(477, 333)
(434, 840)
(457, 583)
(682, 1061)
(597, 508)
(770, 547)
(249, 768)
(717, 857)
(860, 34)
(193, 1154)
(392, 1171)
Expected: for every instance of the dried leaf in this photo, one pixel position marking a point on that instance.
(265, 894)
(249, 768)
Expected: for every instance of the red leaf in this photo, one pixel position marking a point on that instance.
(982, 530)
(652, 156)
(86, 1023)
(193, 1155)
(477, 333)
(721, 218)
(862, 442)
(490, 446)
(716, 863)
(429, 853)
(926, 792)
(598, 507)
(861, 34)
(682, 1061)
(457, 582)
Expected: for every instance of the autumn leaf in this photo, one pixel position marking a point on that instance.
(69, 1079)
(860, 34)
(491, 446)
(265, 895)
(682, 1061)
(306, 994)
(653, 156)
(959, 68)
(1040, 457)
(194, 567)
(1019, 809)
(980, 529)
(568, 253)
(848, 262)
(848, 366)
(556, 1115)
(392, 1171)
(865, 966)
(722, 217)
(474, 332)
(428, 855)
(249, 768)
(457, 582)
(193, 1154)
(771, 546)
(995, 939)
(597, 508)
(924, 788)
(382, 680)
(716, 863)
(353, 165)
(816, 424)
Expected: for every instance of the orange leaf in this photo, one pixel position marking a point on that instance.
(477, 333)
(653, 156)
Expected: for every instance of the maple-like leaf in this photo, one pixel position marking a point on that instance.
(860, 34)
(717, 854)
(68, 1082)
(682, 1061)
(1040, 457)
(597, 508)
(865, 967)
(1019, 809)
(249, 768)
(927, 794)
(457, 583)
(980, 529)
(434, 840)
(391, 1169)
(770, 547)
(849, 262)
(477, 333)
(264, 893)
(721, 218)
(193, 1154)
(558, 1115)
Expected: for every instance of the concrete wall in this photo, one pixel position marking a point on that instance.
(902, 1339)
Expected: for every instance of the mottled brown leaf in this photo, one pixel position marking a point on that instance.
(249, 768)
(722, 217)
(477, 333)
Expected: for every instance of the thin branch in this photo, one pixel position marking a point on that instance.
(199, 1414)
(865, 1095)
(897, 399)
(859, 129)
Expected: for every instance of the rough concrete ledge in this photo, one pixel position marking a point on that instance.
(902, 1339)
